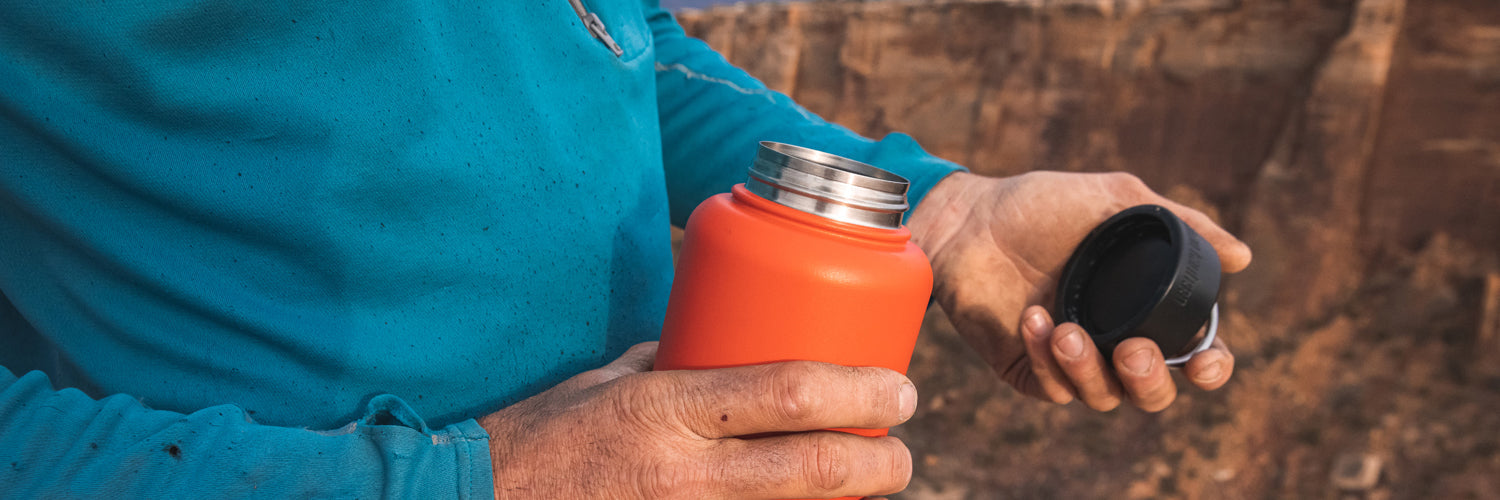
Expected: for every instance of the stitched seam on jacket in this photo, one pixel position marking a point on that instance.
(770, 95)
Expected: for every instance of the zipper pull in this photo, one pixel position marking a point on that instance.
(596, 28)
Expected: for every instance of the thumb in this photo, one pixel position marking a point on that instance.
(1234, 255)
(637, 359)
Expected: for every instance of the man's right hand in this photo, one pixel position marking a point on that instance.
(624, 432)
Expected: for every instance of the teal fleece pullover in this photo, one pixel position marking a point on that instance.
(290, 249)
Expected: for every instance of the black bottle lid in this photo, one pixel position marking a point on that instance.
(1142, 273)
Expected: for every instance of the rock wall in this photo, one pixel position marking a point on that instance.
(1355, 144)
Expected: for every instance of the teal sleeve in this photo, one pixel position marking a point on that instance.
(63, 444)
(713, 115)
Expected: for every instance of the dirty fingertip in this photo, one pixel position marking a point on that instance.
(1036, 320)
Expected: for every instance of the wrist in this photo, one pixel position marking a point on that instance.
(937, 219)
(504, 476)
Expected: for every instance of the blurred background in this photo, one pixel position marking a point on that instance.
(1354, 144)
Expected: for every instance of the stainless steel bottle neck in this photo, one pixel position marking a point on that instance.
(829, 186)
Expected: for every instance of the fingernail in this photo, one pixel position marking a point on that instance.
(1210, 374)
(908, 400)
(1071, 344)
(1036, 323)
(1139, 362)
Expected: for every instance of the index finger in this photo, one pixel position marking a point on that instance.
(790, 396)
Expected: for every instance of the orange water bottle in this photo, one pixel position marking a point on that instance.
(807, 260)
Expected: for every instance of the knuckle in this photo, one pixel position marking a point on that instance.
(645, 402)
(826, 464)
(665, 480)
(794, 387)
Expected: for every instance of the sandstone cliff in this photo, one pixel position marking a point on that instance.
(1355, 144)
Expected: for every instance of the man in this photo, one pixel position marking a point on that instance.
(285, 249)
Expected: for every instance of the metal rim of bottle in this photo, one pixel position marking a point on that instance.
(828, 185)
(1206, 342)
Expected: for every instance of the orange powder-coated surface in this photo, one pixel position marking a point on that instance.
(758, 282)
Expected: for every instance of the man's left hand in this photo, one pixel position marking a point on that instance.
(998, 246)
